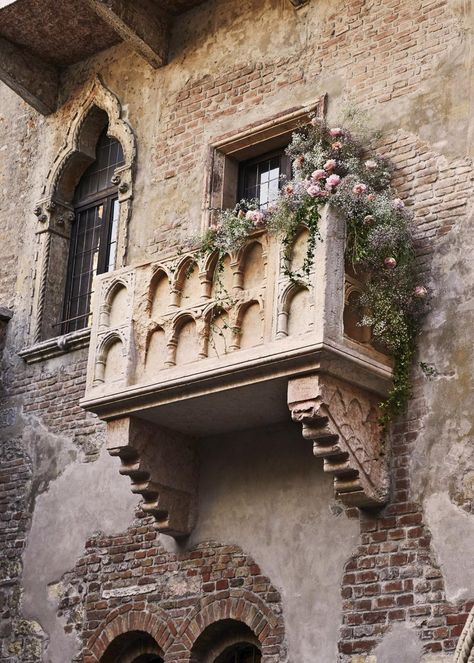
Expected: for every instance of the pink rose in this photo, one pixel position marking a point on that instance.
(332, 181)
(371, 197)
(313, 190)
(336, 146)
(398, 203)
(249, 215)
(318, 174)
(390, 263)
(359, 188)
(316, 192)
(315, 122)
(258, 218)
(368, 220)
(371, 164)
(336, 132)
(306, 183)
(289, 190)
(420, 292)
(215, 227)
(330, 164)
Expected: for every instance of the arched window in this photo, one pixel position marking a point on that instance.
(241, 653)
(226, 641)
(132, 647)
(94, 232)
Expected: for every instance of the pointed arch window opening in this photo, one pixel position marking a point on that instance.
(93, 244)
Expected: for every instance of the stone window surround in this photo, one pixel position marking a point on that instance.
(55, 214)
(227, 151)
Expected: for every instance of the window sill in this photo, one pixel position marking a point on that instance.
(55, 347)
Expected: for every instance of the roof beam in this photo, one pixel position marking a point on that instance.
(36, 82)
(140, 23)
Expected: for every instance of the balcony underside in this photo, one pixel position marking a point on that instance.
(39, 38)
(248, 391)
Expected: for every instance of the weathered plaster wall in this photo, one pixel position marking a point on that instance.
(410, 64)
(266, 492)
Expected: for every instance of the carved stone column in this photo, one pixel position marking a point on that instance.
(162, 466)
(53, 231)
(341, 420)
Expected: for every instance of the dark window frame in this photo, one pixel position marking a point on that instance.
(244, 166)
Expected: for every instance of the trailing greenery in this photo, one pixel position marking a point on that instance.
(331, 166)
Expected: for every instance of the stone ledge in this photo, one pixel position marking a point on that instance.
(55, 347)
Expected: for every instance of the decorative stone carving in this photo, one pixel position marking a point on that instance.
(342, 422)
(162, 466)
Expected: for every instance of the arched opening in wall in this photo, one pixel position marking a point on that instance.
(252, 265)
(159, 295)
(114, 370)
(187, 349)
(133, 647)
(227, 641)
(94, 231)
(83, 215)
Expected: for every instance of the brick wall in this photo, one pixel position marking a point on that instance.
(130, 580)
(375, 53)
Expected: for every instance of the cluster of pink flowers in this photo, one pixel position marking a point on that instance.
(257, 217)
(322, 182)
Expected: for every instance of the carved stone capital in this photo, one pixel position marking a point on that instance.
(162, 466)
(54, 216)
(342, 422)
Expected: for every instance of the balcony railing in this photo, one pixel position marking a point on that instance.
(174, 346)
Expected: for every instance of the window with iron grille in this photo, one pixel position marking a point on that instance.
(94, 232)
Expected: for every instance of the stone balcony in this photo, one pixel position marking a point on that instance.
(176, 355)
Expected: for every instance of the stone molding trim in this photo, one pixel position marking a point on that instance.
(226, 151)
(162, 466)
(55, 347)
(239, 605)
(157, 624)
(465, 649)
(342, 422)
(96, 107)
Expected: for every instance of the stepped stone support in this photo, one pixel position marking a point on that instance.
(162, 466)
(341, 420)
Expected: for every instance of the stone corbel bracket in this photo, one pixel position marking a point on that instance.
(342, 422)
(162, 466)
